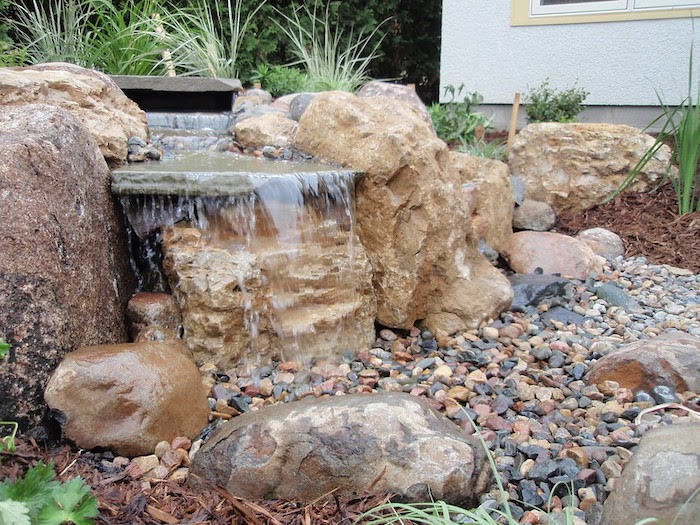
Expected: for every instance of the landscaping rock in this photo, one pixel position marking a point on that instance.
(574, 166)
(660, 480)
(271, 129)
(93, 97)
(412, 219)
(298, 105)
(671, 360)
(533, 290)
(376, 88)
(492, 210)
(603, 242)
(551, 253)
(64, 271)
(534, 216)
(148, 309)
(347, 444)
(128, 397)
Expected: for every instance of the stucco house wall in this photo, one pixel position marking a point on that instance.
(622, 64)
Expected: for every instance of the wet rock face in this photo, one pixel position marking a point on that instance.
(153, 309)
(661, 477)
(412, 213)
(129, 397)
(671, 360)
(94, 98)
(64, 274)
(574, 166)
(380, 443)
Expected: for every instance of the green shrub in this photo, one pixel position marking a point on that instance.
(457, 121)
(546, 104)
(280, 80)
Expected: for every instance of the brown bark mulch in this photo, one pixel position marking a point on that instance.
(128, 501)
(648, 224)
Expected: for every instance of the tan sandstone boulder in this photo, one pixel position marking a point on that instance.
(109, 116)
(552, 253)
(129, 397)
(64, 267)
(346, 445)
(574, 166)
(492, 206)
(270, 129)
(412, 212)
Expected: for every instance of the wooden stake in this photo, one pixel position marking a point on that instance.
(513, 120)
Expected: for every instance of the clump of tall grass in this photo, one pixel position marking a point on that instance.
(195, 39)
(681, 127)
(332, 59)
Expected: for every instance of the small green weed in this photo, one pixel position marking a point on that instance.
(39, 498)
(495, 149)
(546, 104)
(7, 443)
(4, 347)
(457, 121)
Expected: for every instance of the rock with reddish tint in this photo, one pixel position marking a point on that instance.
(128, 397)
(671, 359)
(660, 481)
(574, 166)
(347, 445)
(552, 253)
(64, 270)
(94, 98)
(153, 309)
(413, 214)
(603, 242)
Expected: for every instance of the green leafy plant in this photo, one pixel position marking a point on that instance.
(681, 127)
(333, 60)
(4, 347)
(203, 40)
(39, 498)
(7, 443)
(546, 104)
(281, 80)
(458, 121)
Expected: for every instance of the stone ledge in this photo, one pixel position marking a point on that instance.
(177, 84)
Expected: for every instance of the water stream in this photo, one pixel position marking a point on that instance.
(265, 247)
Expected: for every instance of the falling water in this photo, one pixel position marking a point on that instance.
(287, 228)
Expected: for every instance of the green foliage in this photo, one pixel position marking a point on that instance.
(681, 126)
(7, 443)
(39, 498)
(495, 149)
(546, 104)
(280, 80)
(457, 121)
(12, 56)
(116, 42)
(333, 59)
(52, 31)
(4, 347)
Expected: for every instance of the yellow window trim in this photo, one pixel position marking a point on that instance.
(520, 15)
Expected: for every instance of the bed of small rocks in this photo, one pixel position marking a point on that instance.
(522, 378)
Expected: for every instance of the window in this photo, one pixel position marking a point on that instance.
(536, 12)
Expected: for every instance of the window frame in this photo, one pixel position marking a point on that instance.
(523, 14)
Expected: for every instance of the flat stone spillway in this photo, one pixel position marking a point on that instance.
(215, 174)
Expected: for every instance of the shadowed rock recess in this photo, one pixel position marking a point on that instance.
(412, 212)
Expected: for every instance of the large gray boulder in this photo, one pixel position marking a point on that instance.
(349, 444)
(64, 273)
(129, 397)
(574, 166)
(413, 213)
(661, 480)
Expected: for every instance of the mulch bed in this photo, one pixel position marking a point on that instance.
(128, 501)
(648, 224)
